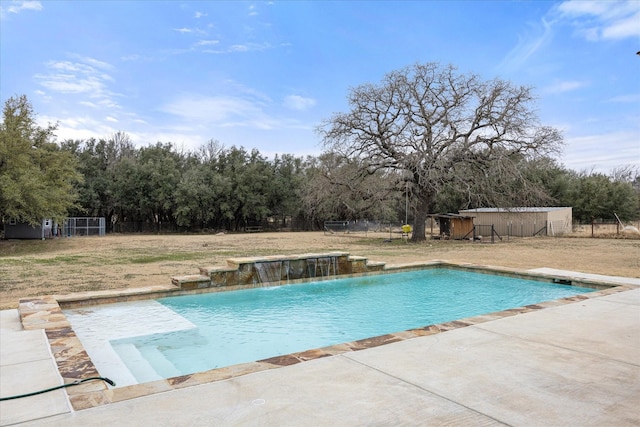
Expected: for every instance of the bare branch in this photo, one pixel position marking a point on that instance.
(443, 128)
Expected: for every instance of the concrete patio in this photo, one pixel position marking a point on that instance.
(575, 364)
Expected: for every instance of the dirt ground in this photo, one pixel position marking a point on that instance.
(67, 265)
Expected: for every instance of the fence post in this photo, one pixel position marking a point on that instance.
(592, 227)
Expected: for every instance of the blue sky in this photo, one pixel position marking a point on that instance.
(265, 74)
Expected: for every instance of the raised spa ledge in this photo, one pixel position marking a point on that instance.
(375, 266)
(220, 276)
(276, 269)
(196, 281)
(271, 258)
(208, 271)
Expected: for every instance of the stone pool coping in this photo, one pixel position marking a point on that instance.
(74, 363)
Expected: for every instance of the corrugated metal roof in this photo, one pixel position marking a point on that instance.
(448, 215)
(513, 210)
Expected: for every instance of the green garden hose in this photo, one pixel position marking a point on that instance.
(76, 382)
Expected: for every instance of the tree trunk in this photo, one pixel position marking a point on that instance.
(420, 218)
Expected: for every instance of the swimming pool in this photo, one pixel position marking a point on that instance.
(175, 336)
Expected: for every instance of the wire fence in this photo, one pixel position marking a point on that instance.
(81, 226)
(606, 229)
(362, 226)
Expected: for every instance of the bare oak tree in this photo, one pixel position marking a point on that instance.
(439, 129)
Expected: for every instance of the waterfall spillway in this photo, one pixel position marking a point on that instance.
(268, 272)
(275, 270)
(327, 266)
(312, 267)
(283, 270)
(322, 267)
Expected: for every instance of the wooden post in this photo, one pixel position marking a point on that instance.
(618, 224)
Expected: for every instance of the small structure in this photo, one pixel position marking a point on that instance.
(454, 226)
(48, 228)
(84, 226)
(22, 230)
(524, 221)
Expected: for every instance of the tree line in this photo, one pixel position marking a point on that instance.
(425, 140)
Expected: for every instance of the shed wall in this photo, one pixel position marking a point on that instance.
(525, 224)
(22, 230)
(461, 227)
(560, 222)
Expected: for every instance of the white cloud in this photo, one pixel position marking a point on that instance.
(239, 48)
(235, 87)
(592, 20)
(296, 102)
(207, 42)
(249, 47)
(244, 108)
(628, 98)
(539, 36)
(85, 104)
(586, 153)
(565, 86)
(223, 111)
(199, 15)
(185, 30)
(77, 127)
(85, 78)
(623, 28)
(135, 57)
(94, 62)
(19, 6)
(67, 83)
(44, 96)
(597, 20)
(88, 104)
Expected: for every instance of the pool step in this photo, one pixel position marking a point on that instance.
(160, 363)
(146, 365)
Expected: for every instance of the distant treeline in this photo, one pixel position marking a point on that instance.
(396, 174)
(162, 188)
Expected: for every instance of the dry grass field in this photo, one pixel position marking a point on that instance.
(67, 265)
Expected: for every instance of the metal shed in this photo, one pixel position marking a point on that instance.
(21, 230)
(524, 221)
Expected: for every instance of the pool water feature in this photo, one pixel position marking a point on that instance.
(284, 270)
(227, 328)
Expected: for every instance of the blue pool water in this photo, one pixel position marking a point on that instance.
(247, 325)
